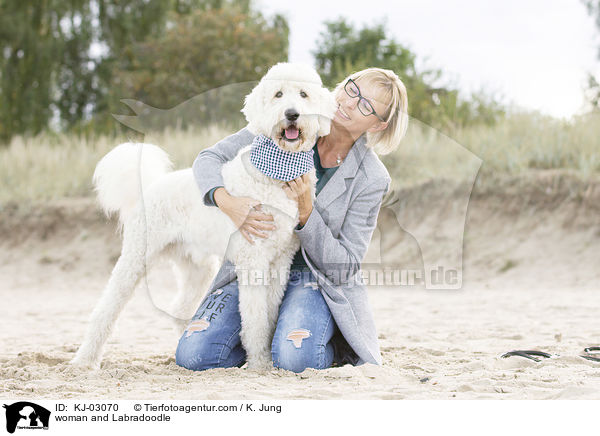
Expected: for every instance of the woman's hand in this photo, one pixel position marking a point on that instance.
(246, 214)
(298, 189)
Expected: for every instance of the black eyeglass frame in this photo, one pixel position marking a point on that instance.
(360, 97)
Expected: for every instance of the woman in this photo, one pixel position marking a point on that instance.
(324, 317)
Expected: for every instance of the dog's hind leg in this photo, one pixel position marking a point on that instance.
(125, 275)
(193, 280)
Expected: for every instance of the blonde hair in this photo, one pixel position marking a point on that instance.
(394, 94)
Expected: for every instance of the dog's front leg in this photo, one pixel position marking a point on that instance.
(257, 331)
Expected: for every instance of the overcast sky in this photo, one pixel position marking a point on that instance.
(534, 52)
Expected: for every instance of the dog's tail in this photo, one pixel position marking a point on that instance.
(124, 173)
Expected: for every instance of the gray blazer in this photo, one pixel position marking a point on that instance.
(333, 241)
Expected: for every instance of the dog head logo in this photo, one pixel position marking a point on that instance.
(26, 415)
(301, 108)
(419, 228)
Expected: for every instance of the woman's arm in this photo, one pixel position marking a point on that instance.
(208, 164)
(245, 212)
(339, 258)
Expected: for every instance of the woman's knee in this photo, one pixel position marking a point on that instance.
(304, 331)
(298, 349)
(198, 353)
(212, 339)
(193, 354)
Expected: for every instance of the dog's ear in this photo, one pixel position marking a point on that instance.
(324, 126)
(253, 104)
(326, 111)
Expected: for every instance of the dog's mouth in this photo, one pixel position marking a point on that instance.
(291, 133)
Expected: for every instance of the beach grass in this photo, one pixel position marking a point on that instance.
(520, 143)
(50, 166)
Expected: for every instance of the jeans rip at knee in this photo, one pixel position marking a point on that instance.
(197, 325)
(297, 336)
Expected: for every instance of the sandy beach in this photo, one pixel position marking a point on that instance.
(531, 281)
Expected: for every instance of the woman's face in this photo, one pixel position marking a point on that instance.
(350, 118)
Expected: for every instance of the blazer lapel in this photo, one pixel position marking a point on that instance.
(340, 181)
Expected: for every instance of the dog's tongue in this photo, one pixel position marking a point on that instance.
(291, 133)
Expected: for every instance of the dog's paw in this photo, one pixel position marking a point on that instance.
(260, 365)
(84, 362)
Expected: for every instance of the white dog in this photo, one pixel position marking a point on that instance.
(290, 106)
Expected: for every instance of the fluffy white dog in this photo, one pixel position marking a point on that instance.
(290, 106)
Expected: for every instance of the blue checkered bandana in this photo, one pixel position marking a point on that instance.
(274, 162)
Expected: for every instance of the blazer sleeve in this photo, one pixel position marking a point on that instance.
(208, 163)
(339, 258)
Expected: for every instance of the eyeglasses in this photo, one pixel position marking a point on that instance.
(364, 106)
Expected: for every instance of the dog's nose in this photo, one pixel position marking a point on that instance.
(291, 114)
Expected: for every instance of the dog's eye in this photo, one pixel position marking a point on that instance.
(303, 94)
(279, 94)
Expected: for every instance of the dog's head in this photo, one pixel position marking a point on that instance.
(290, 106)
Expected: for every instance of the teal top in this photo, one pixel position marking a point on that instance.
(323, 176)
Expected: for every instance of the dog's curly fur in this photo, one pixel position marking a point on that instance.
(172, 220)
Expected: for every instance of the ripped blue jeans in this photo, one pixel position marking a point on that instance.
(302, 338)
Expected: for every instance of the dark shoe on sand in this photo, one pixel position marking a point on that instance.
(529, 354)
(591, 353)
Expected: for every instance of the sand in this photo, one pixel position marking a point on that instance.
(531, 281)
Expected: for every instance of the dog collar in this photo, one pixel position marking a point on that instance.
(278, 164)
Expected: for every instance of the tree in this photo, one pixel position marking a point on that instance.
(58, 58)
(121, 25)
(201, 51)
(32, 41)
(344, 49)
(593, 87)
(47, 70)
